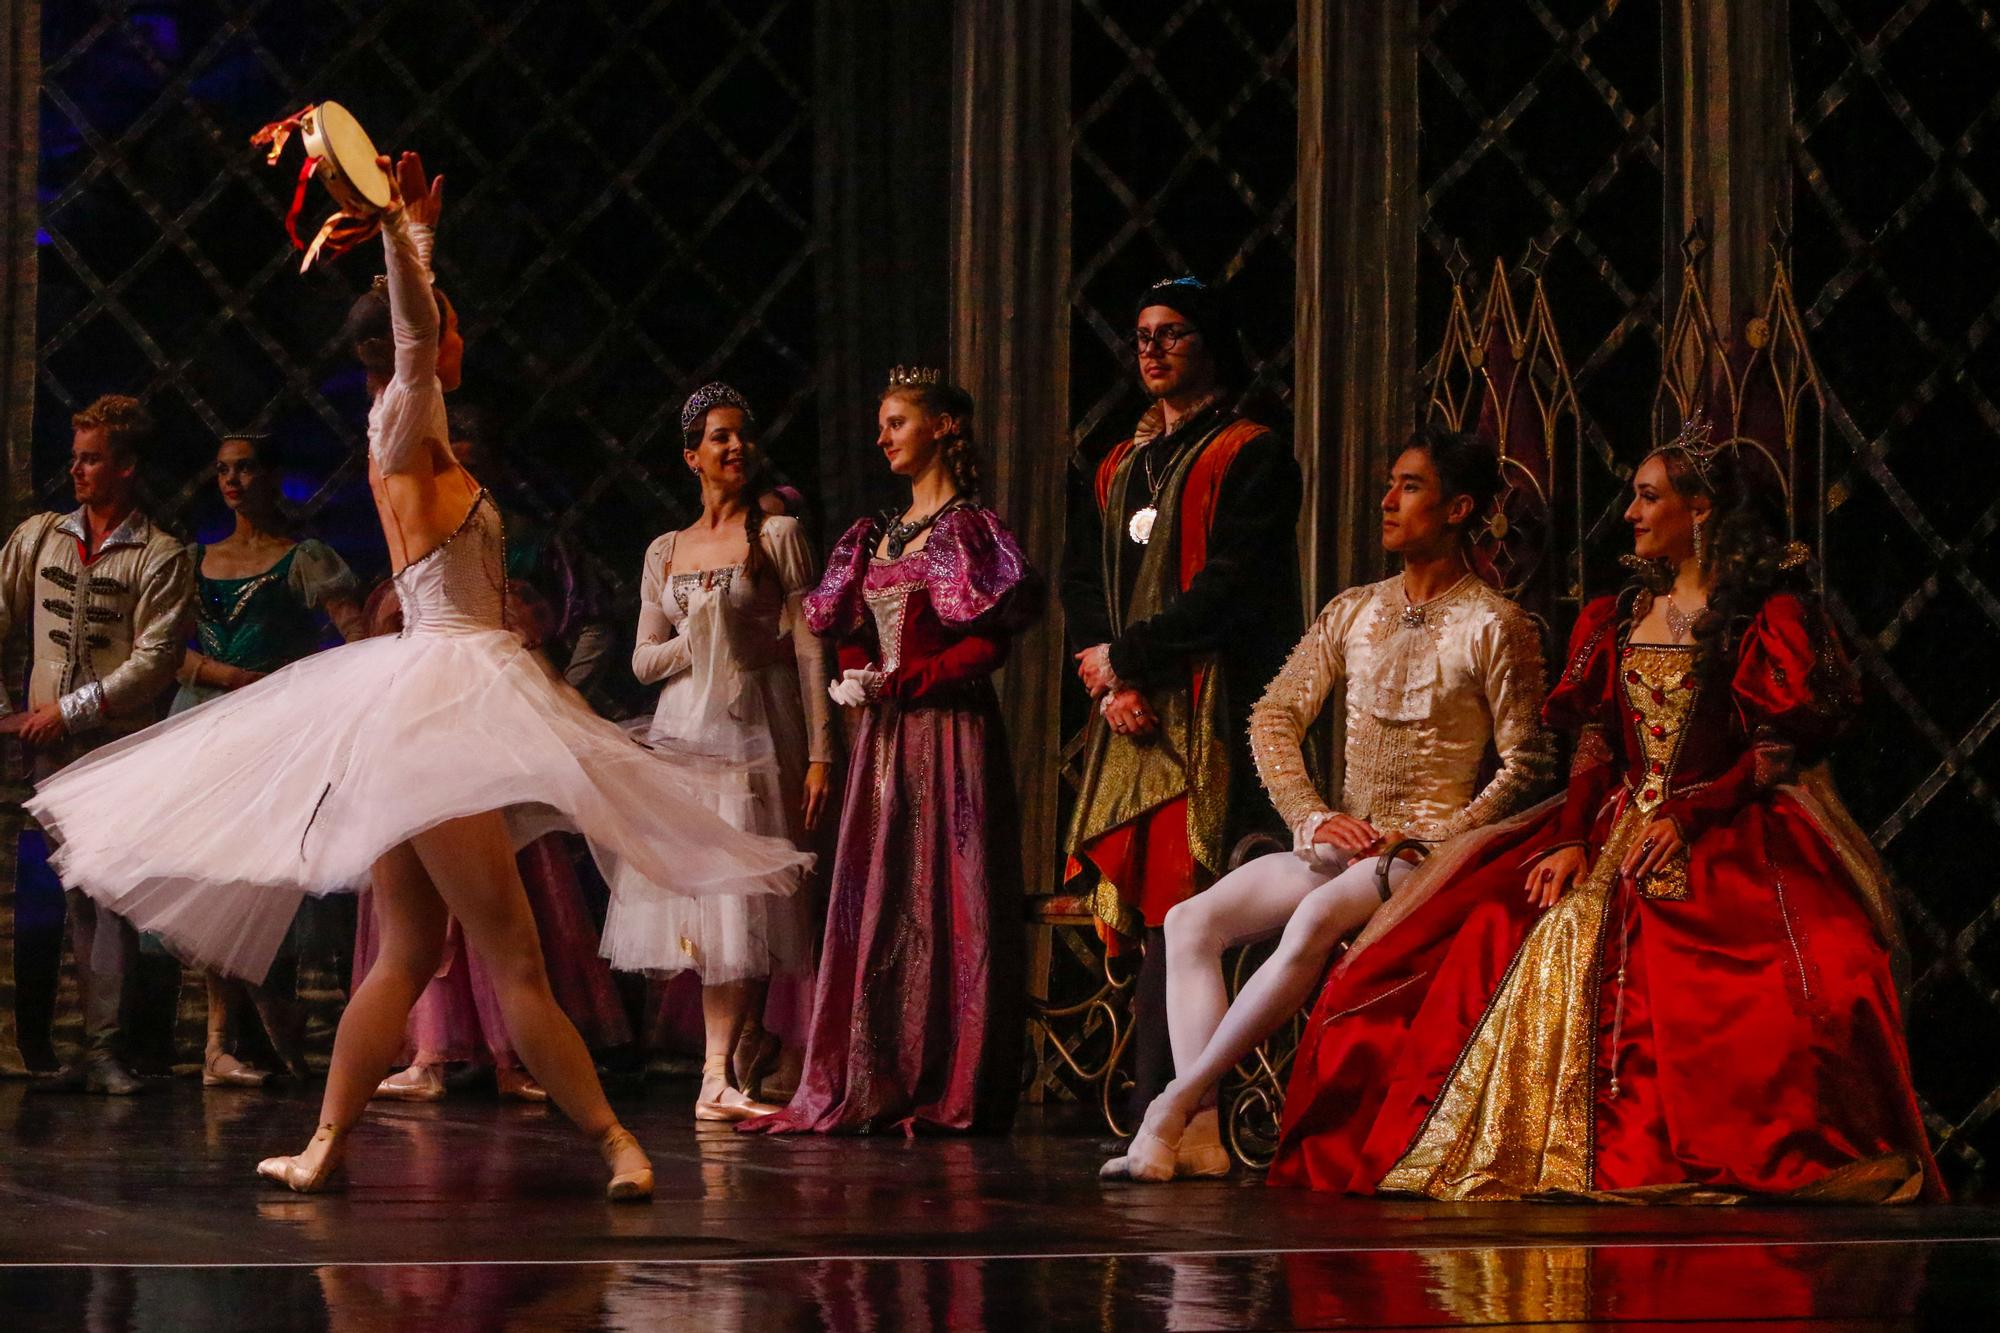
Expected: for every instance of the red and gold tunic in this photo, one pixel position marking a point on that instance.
(1198, 616)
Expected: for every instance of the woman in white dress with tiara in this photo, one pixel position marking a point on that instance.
(722, 625)
(418, 763)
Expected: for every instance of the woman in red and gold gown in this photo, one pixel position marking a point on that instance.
(1674, 982)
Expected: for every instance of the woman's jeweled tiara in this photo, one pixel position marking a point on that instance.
(904, 377)
(713, 394)
(1696, 443)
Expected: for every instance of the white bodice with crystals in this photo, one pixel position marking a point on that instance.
(460, 586)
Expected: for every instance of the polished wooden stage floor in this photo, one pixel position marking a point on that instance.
(469, 1214)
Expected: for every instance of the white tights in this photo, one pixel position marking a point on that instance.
(1315, 905)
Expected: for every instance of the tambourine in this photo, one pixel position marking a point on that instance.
(340, 153)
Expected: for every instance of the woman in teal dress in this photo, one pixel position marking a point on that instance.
(262, 600)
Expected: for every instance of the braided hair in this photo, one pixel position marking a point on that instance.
(961, 455)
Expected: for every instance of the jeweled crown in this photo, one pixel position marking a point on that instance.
(1696, 443)
(713, 394)
(902, 377)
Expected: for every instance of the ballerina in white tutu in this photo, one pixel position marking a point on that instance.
(419, 762)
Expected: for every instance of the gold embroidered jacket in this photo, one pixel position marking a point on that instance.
(1425, 690)
(108, 635)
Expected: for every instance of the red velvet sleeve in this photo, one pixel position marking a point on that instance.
(1582, 704)
(1793, 690)
(853, 656)
(967, 658)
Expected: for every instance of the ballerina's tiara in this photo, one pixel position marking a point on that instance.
(901, 377)
(1696, 443)
(713, 394)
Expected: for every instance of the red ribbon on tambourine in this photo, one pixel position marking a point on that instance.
(341, 154)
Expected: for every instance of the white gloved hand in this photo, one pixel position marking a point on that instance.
(857, 687)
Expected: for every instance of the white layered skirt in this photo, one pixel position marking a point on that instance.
(743, 736)
(209, 828)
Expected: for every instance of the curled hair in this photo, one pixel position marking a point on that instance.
(961, 455)
(1745, 559)
(756, 562)
(1465, 465)
(127, 425)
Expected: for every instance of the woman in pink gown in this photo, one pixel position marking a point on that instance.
(917, 1008)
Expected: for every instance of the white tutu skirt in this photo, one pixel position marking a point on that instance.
(749, 727)
(209, 828)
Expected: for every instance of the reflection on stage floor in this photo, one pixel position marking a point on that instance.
(144, 1214)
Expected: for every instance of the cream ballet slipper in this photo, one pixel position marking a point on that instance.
(1201, 1151)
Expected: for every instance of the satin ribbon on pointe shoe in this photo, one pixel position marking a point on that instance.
(728, 1104)
(1149, 1156)
(301, 1179)
(633, 1186)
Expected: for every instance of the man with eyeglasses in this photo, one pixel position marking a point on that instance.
(1181, 593)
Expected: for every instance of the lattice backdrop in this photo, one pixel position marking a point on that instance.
(1184, 139)
(1539, 125)
(629, 212)
(1897, 176)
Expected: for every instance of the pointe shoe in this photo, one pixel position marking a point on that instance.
(1150, 1156)
(634, 1185)
(756, 1056)
(1147, 1158)
(718, 1101)
(516, 1086)
(299, 1177)
(1201, 1151)
(223, 1070)
(418, 1083)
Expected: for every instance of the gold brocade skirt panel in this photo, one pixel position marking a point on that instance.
(1516, 1115)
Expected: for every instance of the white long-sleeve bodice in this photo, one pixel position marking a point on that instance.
(409, 412)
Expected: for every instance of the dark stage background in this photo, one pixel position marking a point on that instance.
(792, 194)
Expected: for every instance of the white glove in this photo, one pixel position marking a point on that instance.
(857, 687)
